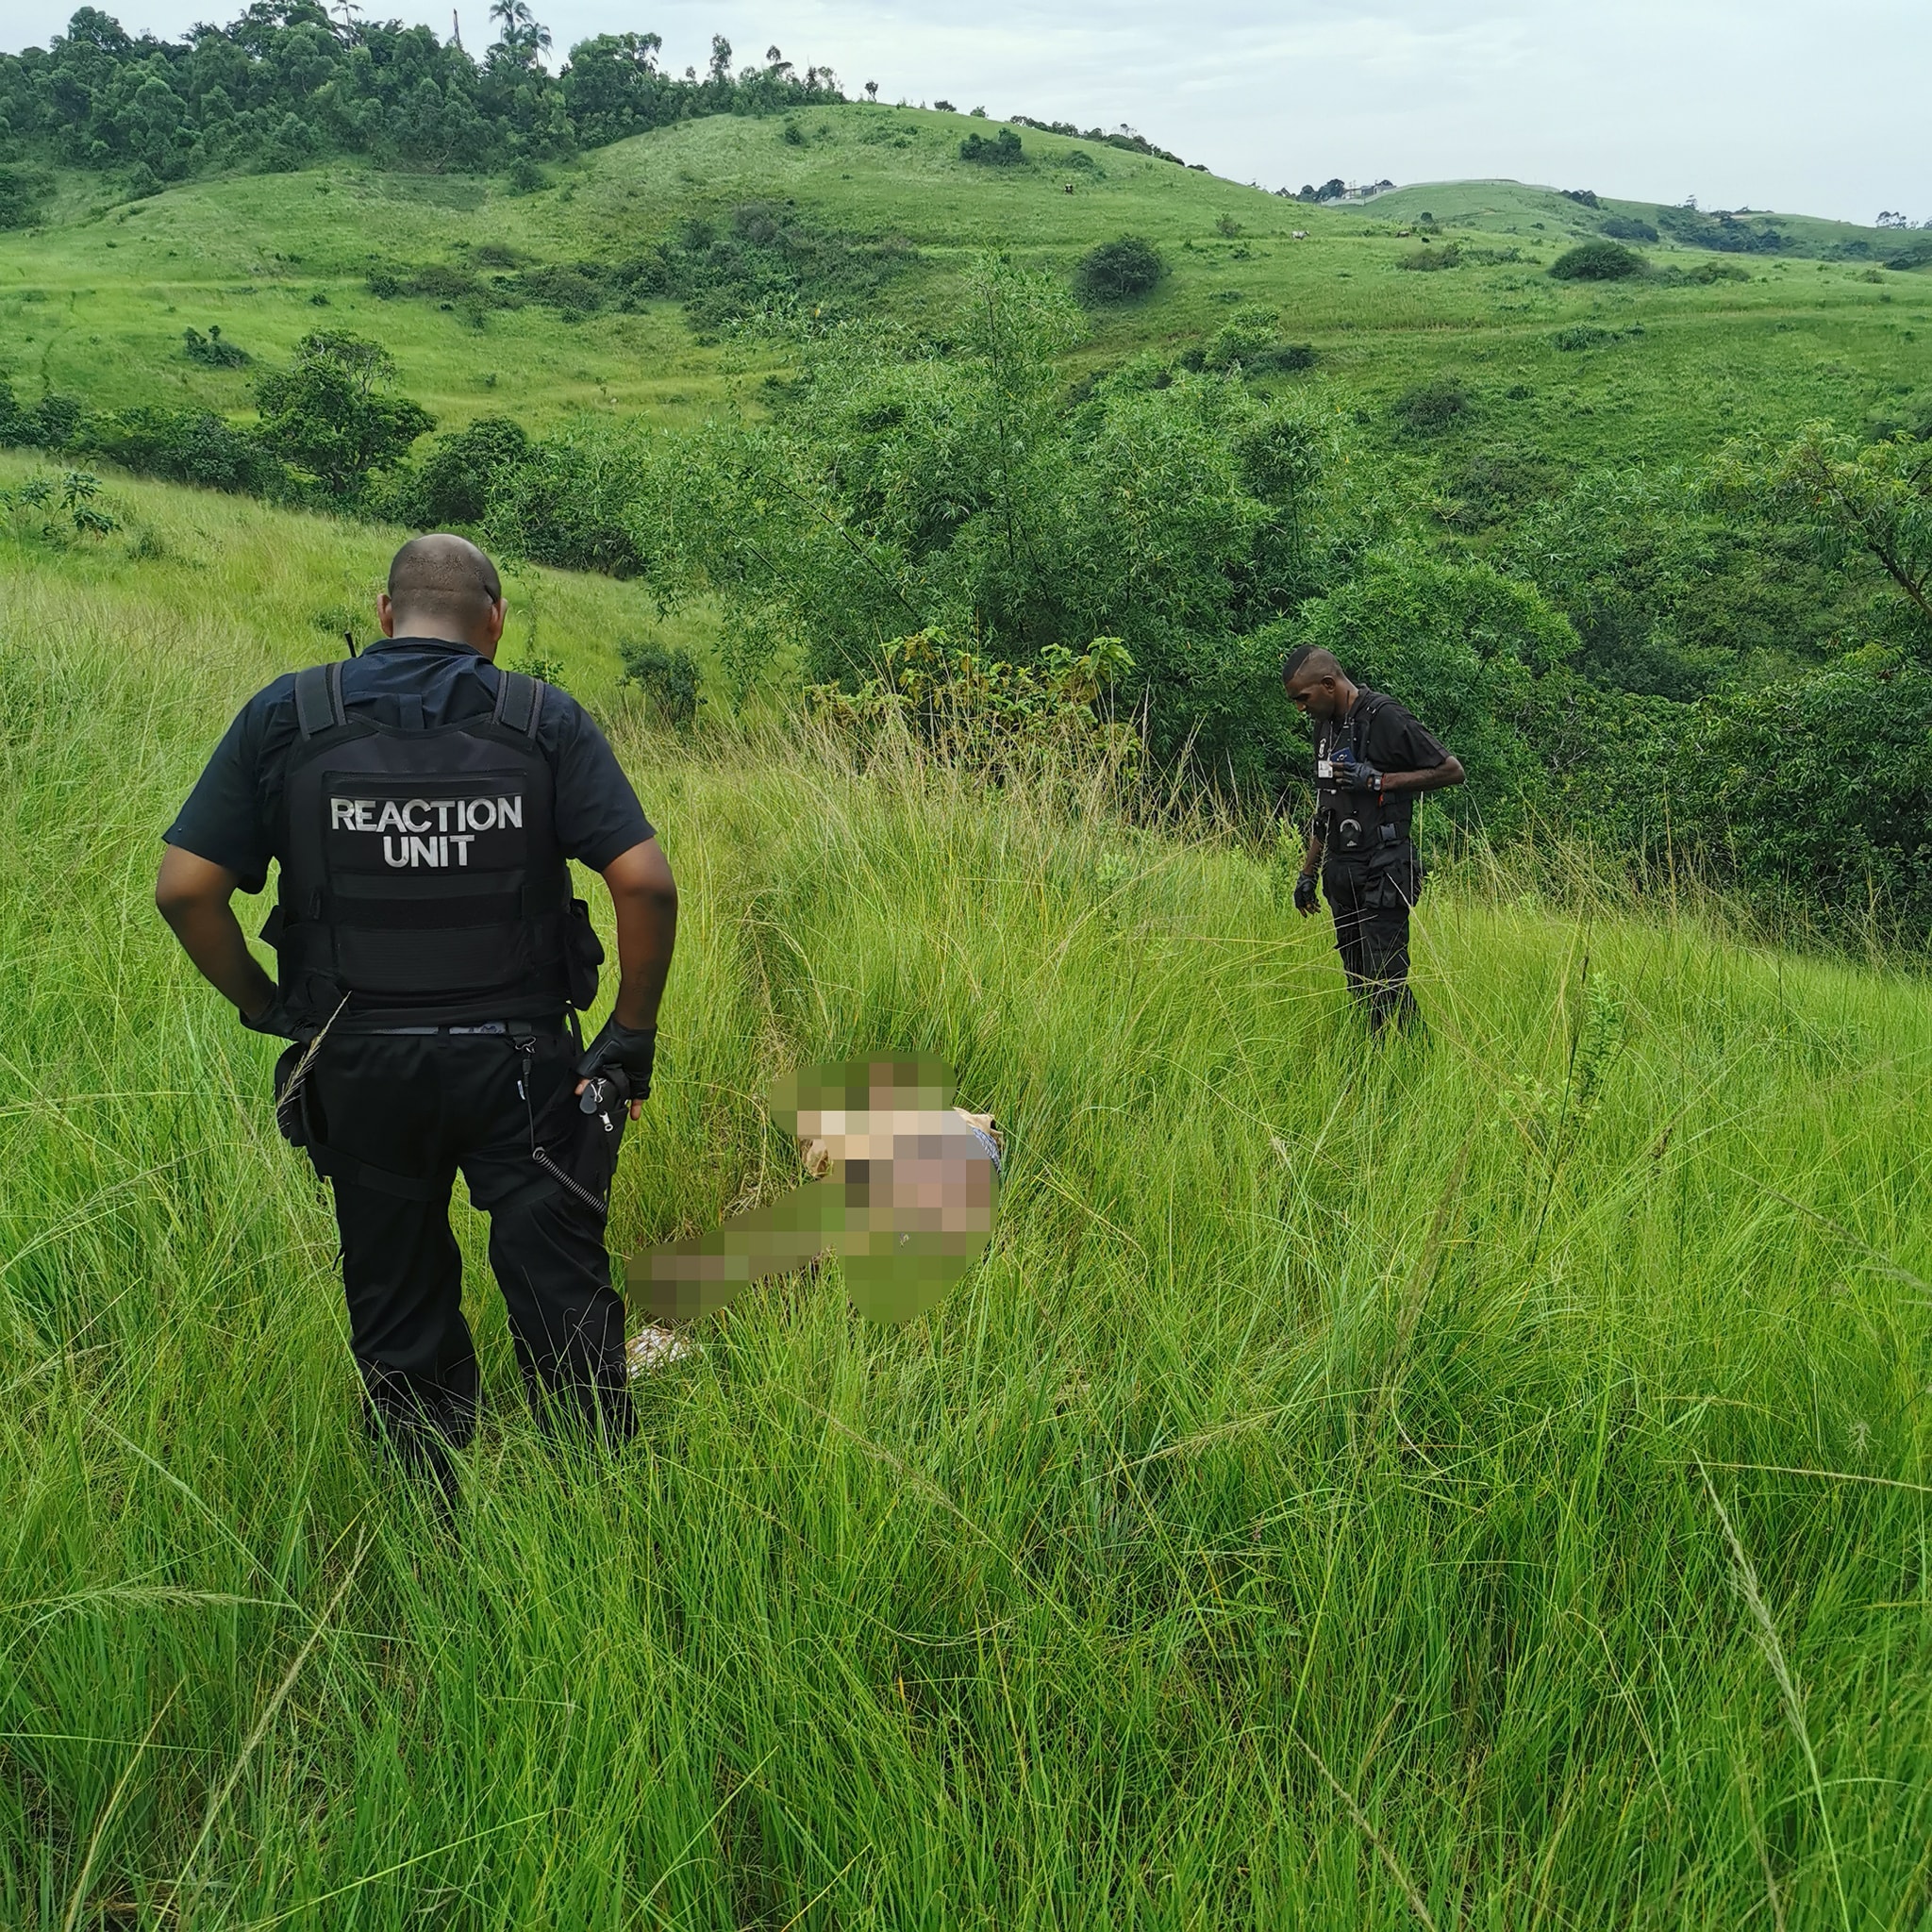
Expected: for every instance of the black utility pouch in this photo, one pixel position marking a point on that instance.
(578, 1150)
(582, 953)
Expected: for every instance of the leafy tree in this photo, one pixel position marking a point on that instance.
(332, 415)
(1874, 502)
(1118, 270)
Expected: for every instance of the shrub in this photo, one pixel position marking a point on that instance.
(1627, 229)
(22, 190)
(1118, 270)
(668, 676)
(183, 445)
(1597, 261)
(51, 422)
(1583, 335)
(463, 468)
(1003, 151)
(1426, 259)
(1430, 407)
(211, 350)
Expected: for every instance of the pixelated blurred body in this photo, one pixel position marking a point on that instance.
(902, 1190)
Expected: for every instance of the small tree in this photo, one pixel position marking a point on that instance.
(330, 415)
(1118, 270)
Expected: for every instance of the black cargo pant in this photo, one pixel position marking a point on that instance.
(1370, 897)
(421, 1107)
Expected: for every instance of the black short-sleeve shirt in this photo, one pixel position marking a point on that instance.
(233, 816)
(1381, 732)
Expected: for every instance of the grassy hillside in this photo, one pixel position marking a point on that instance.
(1475, 1484)
(95, 303)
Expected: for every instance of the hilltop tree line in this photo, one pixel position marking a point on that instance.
(286, 85)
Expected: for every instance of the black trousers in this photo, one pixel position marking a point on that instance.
(1371, 899)
(424, 1106)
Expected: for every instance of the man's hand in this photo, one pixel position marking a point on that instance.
(1352, 774)
(1304, 896)
(624, 1055)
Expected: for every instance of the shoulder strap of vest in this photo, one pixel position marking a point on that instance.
(519, 702)
(319, 699)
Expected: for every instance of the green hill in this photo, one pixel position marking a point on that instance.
(96, 303)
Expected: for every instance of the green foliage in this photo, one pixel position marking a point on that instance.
(285, 83)
(668, 675)
(452, 485)
(1425, 260)
(1598, 262)
(1477, 655)
(1118, 270)
(1004, 150)
(185, 446)
(1627, 229)
(22, 193)
(330, 416)
(1427, 409)
(1671, 597)
(1815, 794)
(63, 506)
(211, 350)
(1873, 501)
(987, 715)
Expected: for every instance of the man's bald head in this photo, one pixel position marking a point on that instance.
(443, 585)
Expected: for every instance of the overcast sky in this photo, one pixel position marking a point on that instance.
(1818, 107)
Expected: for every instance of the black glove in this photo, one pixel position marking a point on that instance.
(1304, 900)
(619, 1057)
(274, 1019)
(1353, 776)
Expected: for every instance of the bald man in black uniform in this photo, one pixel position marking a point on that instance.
(422, 804)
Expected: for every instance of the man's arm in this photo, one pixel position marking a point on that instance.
(645, 898)
(192, 894)
(1436, 778)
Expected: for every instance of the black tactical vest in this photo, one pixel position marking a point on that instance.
(421, 871)
(1353, 823)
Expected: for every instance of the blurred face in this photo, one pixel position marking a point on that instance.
(1319, 698)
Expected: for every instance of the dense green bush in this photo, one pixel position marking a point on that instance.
(1597, 261)
(668, 675)
(183, 445)
(451, 484)
(1477, 655)
(1119, 270)
(1004, 150)
(285, 85)
(1815, 791)
(23, 191)
(1430, 407)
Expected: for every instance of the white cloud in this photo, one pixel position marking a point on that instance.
(1777, 103)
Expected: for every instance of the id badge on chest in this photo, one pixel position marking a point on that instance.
(1325, 768)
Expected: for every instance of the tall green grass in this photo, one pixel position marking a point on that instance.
(1480, 1482)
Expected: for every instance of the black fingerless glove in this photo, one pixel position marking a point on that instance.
(1305, 893)
(622, 1056)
